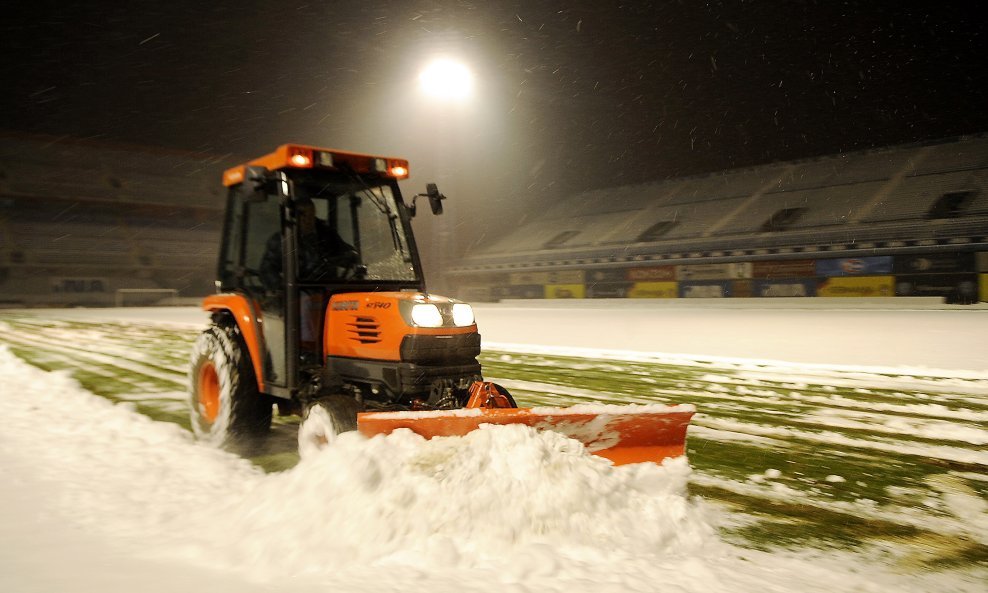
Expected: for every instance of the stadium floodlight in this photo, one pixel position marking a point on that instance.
(446, 80)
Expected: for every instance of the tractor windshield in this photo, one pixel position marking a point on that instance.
(351, 229)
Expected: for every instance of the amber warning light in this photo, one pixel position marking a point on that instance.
(308, 157)
(300, 159)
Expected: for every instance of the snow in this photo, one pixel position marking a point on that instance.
(118, 502)
(98, 498)
(192, 317)
(946, 452)
(814, 331)
(502, 504)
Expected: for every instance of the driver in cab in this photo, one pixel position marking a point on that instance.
(322, 254)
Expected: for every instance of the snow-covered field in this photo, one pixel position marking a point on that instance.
(99, 497)
(843, 332)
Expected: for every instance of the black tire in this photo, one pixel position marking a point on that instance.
(324, 420)
(226, 408)
(505, 393)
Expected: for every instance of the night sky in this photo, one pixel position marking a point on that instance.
(571, 95)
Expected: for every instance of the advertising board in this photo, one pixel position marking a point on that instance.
(983, 283)
(794, 287)
(530, 291)
(855, 266)
(565, 291)
(982, 261)
(608, 290)
(606, 275)
(800, 268)
(959, 288)
(653, 290)
(543, 278)
(742, 289)
(651, 274)
(475, 294)
(713, 271)
(934, 263)
(862, 286)
(707, 289)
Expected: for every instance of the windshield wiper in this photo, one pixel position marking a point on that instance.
(383, 206)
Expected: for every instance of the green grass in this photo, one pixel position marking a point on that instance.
(773, 466)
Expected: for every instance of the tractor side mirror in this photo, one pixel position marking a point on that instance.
(435, 200)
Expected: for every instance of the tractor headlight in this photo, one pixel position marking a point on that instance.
(426, 315)
(462, 314)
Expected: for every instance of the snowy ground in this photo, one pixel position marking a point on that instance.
(99, 497)
(902, 332)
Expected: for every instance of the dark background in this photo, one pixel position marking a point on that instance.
(570, 95)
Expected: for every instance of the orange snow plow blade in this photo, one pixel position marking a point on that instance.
(623, 434)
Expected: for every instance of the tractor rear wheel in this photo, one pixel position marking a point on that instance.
(226, 408)
(323, 421)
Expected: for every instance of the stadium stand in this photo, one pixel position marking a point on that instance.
(82, 220)
(907, 220)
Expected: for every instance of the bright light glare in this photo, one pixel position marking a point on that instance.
(447, 80)
(426, 315)
(462, 314)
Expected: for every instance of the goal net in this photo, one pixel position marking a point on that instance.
(144, 297)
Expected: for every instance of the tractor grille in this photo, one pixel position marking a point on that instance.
(365, 330)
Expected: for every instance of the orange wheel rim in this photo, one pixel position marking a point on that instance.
(209, 392)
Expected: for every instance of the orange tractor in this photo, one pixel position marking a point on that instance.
(321, 310)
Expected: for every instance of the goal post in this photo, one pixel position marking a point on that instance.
(143, 297)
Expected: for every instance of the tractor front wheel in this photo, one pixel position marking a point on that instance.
(226, 408)
(323, 421)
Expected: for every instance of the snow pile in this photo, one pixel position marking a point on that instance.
(501, 494)
(505, 499)
(115, 469)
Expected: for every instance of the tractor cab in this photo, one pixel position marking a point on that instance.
(303, 224)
